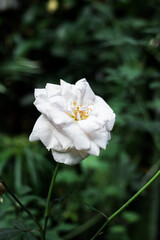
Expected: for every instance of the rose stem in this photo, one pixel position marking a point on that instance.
(21, 204)
(48, 205)
(125, 205)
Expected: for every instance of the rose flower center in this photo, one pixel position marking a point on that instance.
(79, 112)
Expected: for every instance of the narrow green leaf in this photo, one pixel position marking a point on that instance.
(8, 233)
(4, 157)
(31, 166)
(18, 172)
(28, 236)
(3, 89)
(19, 225)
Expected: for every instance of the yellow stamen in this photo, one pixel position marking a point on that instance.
(78, 113)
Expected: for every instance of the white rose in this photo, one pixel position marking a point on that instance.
(74, 123)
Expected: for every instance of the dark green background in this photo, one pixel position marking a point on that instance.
(115, 46)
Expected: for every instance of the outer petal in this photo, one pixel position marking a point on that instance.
(94, 149)
(53, 90)
(59, 102)
(83, 154)
(95, 130)
(80, 139)
(40, 95)
(54, 114)
(72, 157)
(49, 136)
(100, 138)
(65, 141)
(90, 124)
(110, 123)
(54, 107)
(109, 136)
(87, 95)
(44, 131)
(103, 112)
(68, 91)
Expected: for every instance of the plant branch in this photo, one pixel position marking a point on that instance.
(126, 204)
(48, 205)
(21, 204)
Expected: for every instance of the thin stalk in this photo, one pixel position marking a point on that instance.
(48, 204)
(126, 204)
(21, 204)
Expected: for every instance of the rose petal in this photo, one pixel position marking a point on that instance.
(44, 131)
(94, 149)
(110, 123)
(59, 102)
(53, 90)
(68, 91)
(80, 139)
(109, 136)
(100, 138)
(90, 124)
(87, 95)
(103, 112)
(65, 141)
(95, 130)
(83, 154)
(71, 157)
(54, 114)
(40, 95)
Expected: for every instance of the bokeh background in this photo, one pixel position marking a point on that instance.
(114, 44)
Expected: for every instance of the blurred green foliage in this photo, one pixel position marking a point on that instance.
(115, 45)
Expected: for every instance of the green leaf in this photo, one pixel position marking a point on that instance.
(67, 176)
(4, 158)
(18, 172)
(131, 217)
(17, 66)
(28, 236)
(118, 229)
(19, 225)
(53, 235)
(65, 227)
(2, 88)
(31, 166)
(25, 46)
(8, 233)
